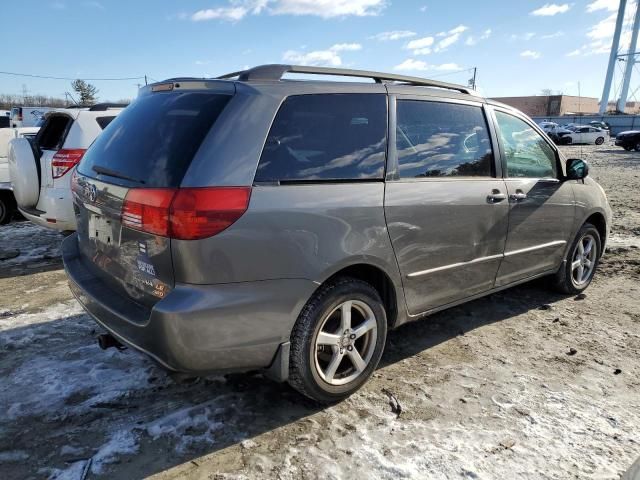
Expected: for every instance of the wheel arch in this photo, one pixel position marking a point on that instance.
(599, 221)
(379, 279)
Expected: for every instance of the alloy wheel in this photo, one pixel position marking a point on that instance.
(345, 342)
(584, 260)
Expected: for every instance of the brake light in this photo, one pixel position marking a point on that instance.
(64, 160)
(184, 213)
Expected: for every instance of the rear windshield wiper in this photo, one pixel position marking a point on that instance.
(112, 173)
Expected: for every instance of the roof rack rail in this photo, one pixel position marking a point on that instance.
(276, 71)
(101, 107)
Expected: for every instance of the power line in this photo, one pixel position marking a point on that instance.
(49, 77)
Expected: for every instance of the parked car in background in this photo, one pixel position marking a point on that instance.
(27, 116)
(548, 127)
(248, 222)
(41, 170)
(581, 134)
(629, 140)
(602, 125)
(7, 200)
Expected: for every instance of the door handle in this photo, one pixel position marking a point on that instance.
(519, 195)
(496, 196)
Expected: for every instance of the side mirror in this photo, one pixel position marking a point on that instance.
(577, 169)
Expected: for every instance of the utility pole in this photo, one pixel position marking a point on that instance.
(145, 80)
(25, 93)
(472, 81)
(613, 56)
(579, 99)
(631, 60)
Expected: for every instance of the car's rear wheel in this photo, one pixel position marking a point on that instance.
(337, 341)
(628, 148)
(599, 140)
(580, 264)
(637, 147)
(7, 206)
(567, 140)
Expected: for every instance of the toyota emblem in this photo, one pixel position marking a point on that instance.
(91, 192)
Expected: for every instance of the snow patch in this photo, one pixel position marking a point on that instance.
(123, 442)
(189, 426)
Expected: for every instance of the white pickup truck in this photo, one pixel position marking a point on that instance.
(7, 201)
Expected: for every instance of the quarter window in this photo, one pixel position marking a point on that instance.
(326, 137)
(527, 154)
(436, 139)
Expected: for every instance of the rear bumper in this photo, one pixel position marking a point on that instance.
(196, 329)
(54, 210)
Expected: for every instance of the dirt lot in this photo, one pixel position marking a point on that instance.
(487, 390)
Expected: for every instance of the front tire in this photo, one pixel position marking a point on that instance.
(628, 148)
(337, 341)
(599, 140)
(579, 266)
(637, 147)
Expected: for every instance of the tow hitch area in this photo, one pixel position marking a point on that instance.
(106, 340)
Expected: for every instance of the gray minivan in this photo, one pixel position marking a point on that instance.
(258, 222)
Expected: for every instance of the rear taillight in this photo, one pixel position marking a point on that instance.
(147, 210)
(64, 160)
(184, 213)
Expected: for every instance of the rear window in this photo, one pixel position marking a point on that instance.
(104, 121)
(54, 131)
(326, 137)
(154, 140)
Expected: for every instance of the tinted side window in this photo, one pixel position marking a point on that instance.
(326, 137)
(104, 121)
(442, 140)
(527, 153)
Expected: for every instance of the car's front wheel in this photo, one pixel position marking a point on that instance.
(628, 148)
(579, 267)
(599, 140)
(337, 341)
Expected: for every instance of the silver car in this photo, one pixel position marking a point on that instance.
(253, 222)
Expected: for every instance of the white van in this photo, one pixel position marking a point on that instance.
(27, 116)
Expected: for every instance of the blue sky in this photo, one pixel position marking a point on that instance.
(519, 47)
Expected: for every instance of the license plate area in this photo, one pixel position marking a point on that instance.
(104, 230)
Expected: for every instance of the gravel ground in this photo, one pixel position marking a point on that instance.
(520, 384)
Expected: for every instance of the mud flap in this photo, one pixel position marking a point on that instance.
(279, 369)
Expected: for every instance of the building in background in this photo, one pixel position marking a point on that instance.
(632, 108)
(552, 105)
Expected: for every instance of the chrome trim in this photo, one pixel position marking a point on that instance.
(536, 247)
(456, 265)
(487, 259)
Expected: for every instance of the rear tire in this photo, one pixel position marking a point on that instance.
(7, 207)
(337, 341)
(628, 148)
(637, 147)
(599, 140)
(580, 264)
(567, 140)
